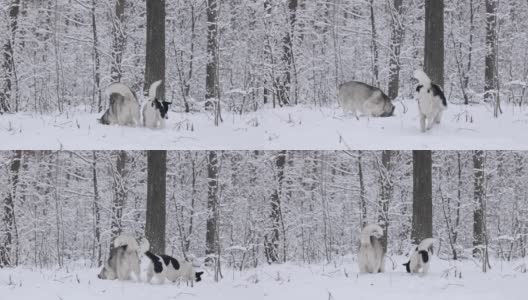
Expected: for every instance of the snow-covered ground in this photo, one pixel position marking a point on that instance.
(290, 281)
(291, 128)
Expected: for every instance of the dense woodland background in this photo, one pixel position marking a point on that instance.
(251, 208)
(59, 54)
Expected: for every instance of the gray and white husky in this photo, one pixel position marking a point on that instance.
(123, 108)
(420, 257)
(155, 111)
(371, 257)
(431, 101)
(124, 259)
(360, 98)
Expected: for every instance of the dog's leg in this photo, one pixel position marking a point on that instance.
(423, 120)
(438, 118)
(425, 268)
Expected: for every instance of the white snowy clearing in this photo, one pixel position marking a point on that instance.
(291, 128)
(289, 281)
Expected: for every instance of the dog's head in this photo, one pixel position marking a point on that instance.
(107, 273)
(198, 276)
(162, 107)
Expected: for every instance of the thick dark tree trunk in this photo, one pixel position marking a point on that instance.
(422, 220)
(362, 192)
(395, 48)
(478, 197)
(119, 35)
(155, 60)
(211, 236)
(6, 246)
(96, 212)
(434, 41)
(8, 64)
(97, 63)
(156, 193)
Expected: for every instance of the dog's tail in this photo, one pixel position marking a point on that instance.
(426, 245)
(153, 91)
(126, 240)
(144, 246)
(422, 77)
(121, 89)
(370, 230)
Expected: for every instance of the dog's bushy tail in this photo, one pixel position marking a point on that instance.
(154, 89)
(426, 245)
(369, 231)
(126, 240)
(422, 77)
(121, 89)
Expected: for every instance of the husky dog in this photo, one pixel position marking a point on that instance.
(371, 256)
(420, 257)
(166, 267)
(155, 111)
(357, 97)
(124, 259)
(124, 107)
(431, 101)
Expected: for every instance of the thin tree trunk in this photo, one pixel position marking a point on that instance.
(272, 238)
(374, 45)
(96, 212)
(119, 42)
(211, 80)
(362, 202)
(120, 194)
(156, 194)
(97, 62)
(422, 220)
(212, 204)
(386, 194)
(491, 72)
(395, 48)
(6, 246)
(478, 197)
(7, 91)
(284, 82)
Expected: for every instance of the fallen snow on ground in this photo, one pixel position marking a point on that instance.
(289, 281)
(290, 128)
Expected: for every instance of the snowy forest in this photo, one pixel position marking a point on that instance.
(61, 54)
(261, 207)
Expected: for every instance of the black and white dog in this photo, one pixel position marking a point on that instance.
(124, 259)
(166, 267)
(155, 111)
(123, 108)
(420, 257)
(431, 101)
(371, 258)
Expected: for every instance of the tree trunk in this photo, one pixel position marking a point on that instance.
(374, 45)
(6, 246)
(120, 194)
(434, 41)
(155, 53)
(386, 194)
(272, 238)
(156, 193)
(422, 219)
(96, 212)
(491, 72)
(97, 63)
(395, 48)
(284, 82)
(211, 79)
(211, 245)
(119, 36)
(8, 65)
(362, 202)
(478, 197)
